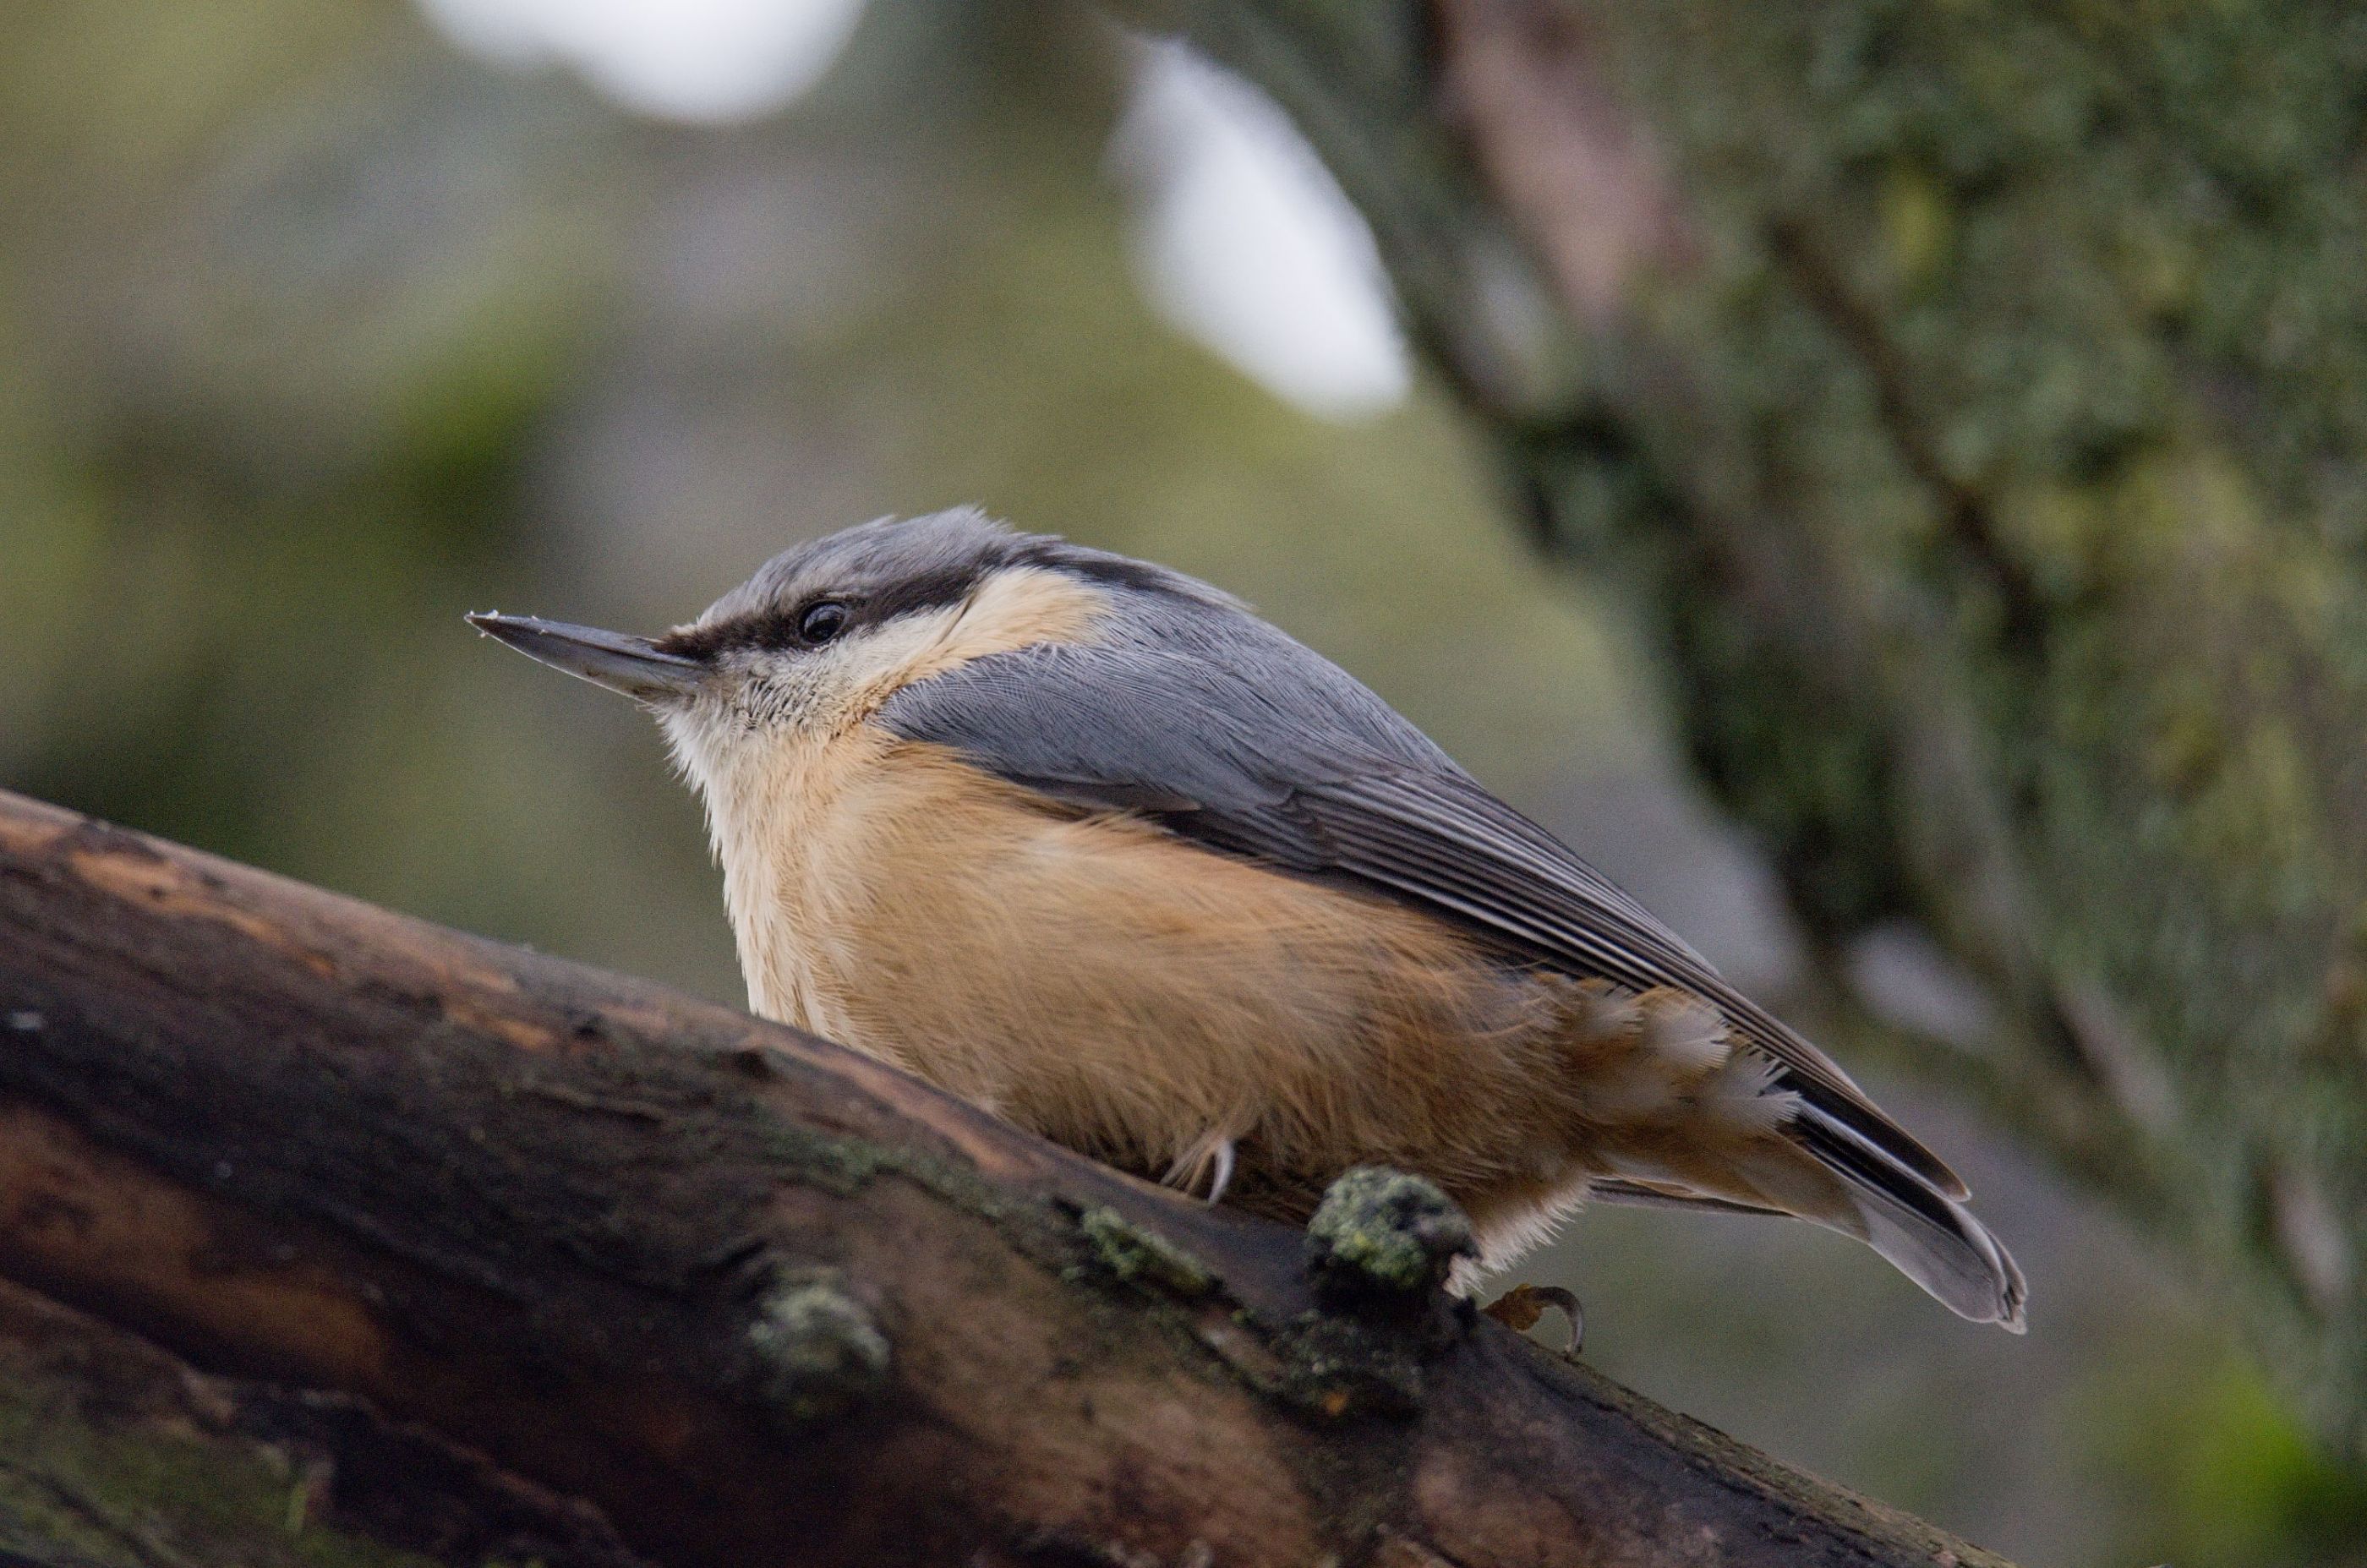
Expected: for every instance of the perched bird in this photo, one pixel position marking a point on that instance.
(1085, 841)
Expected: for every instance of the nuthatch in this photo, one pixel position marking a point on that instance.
(1085, 841)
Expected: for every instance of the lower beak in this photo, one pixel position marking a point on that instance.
(633, 665)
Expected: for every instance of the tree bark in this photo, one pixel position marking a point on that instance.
(1970, 402)
(324, 1233)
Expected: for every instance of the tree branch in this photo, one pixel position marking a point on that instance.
(463, 1250)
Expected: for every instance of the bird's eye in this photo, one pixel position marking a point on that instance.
(822, 622)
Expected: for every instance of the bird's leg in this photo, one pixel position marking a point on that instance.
(1519, 1308)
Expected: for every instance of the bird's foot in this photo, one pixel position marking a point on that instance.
(1519, 1308)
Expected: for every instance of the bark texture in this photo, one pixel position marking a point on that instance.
(329, 1236)
(1970, 401)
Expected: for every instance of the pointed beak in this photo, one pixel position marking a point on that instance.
(633, 665)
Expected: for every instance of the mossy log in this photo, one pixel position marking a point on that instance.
(1969, 401)
(330, 1237)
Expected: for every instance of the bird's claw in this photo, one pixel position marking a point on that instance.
(1222, 1177)
(1216, 1156)
(1519, 1309)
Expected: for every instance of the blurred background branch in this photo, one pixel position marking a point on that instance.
(1947, 421)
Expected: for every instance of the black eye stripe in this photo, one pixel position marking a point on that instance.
(781, 628)
(926, 590)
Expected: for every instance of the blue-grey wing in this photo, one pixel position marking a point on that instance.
(1246, 753)
(1246, 742)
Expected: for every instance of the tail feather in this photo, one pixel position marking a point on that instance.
(1927, 1236)
(1956, 1260)
(1837, 1177)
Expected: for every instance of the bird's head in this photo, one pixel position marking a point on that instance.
(826, 632)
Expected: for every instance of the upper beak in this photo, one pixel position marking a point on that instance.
(633, 665)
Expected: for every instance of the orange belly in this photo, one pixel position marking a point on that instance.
(1117, 989)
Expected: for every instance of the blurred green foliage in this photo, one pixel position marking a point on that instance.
(2212, 1438)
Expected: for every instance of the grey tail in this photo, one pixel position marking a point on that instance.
(1925, 1234)
(1928, 1236)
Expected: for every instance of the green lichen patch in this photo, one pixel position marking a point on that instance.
(1382, 1232)
(101, 1491)
(1337, 1369)
(1138, 1257)
(818, 1350)
(844, 1165)
(840, 1167)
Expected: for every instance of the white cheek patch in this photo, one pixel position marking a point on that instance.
(772, 701)
(805, 691)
